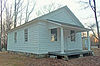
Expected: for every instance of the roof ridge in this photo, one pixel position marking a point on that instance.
(51, 12)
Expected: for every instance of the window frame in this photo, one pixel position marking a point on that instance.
(56, 34)
(15, 37)
(72, 35)
(26, 35)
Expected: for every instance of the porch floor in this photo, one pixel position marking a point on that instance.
(70, 52)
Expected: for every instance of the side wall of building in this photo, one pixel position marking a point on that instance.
(39, 39)
(31, 46)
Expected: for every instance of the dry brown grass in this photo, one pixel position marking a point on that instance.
(8, 59)
(96, 51)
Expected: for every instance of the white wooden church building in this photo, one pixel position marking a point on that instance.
(59, 30)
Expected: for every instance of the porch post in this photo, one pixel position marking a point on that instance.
(88, 41)
(62, 40)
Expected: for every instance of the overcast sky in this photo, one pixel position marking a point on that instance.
(74, 6)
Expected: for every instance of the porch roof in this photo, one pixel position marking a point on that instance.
(70, 26)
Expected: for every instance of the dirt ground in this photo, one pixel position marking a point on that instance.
(7, 59)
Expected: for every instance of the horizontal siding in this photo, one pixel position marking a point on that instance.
(31, 46)
(72, 45)
(45, 44)
(40, 39)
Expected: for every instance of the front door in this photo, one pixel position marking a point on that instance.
(65, 40)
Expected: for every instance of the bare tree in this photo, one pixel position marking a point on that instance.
(2, 9)
(95, 13)
(85, 4)
(48, 8)
(6, 25)
(3, 35)
(92, 26)
(1, 24)
(9, 18)
(17, 9)
(21, 16)
(28, 12)
(93, 6)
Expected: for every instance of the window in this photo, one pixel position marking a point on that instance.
(15, 37)
(54, 34)
(26, 35)
(72, 34)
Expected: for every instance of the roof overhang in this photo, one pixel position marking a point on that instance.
(70, 26)
(23, 25)
(60, 24)
(77, 29)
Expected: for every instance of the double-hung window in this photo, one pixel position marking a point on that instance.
(54, 34)
(15, 37)
(72, 34)
(26, 35)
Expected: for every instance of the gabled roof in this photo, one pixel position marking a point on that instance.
(65, 23)
(62, 16)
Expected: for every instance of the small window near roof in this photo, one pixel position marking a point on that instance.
(72, 34)
(54, 34)
(15, 37)
(26, 35)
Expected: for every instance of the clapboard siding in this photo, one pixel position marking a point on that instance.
(73, 45)
(45, 44)
(31, 46)
(39, 41)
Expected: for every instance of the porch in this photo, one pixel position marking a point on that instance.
(71, 52)
(65, 52)
(63, 33)
(70, 41)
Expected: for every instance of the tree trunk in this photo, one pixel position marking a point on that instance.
(15, 15)
(1, 26)
(97, 24)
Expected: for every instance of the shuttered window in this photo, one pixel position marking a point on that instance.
(26, 35)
